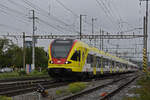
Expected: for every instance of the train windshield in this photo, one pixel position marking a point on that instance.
(60, 49)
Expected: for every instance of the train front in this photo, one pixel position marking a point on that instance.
(60, 64)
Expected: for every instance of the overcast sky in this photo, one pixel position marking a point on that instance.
(62, 17)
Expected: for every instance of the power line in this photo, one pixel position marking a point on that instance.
(116, 15)
(15, 17)
(109, 12)
(44, 13)
(17, 4)
(11, 27)
(101, 6)
(5, 10)
(12, 10)
(49, 25)
(76, 15)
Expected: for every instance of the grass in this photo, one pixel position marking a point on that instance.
(8, 75)
(77, 87)
(72, 88)
(130, 98)
(5, 98)
(62, 91)
(21, 74)
(144, 91)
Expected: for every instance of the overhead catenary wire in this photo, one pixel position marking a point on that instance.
(20, 6)
(68, 9)
(104, 10)
(38, 9)
(109, 13)
(45, 13)
(58, 28)
(19, 13)
(76, 15)
(115, 15)
(25, 21)
(10, 27)
(12, 10)
(49, 25)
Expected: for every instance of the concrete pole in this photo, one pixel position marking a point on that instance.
(33, 41)
(24, 51)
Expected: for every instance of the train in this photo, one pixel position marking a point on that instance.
(74, 59)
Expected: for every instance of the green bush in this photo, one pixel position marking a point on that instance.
(62, 91)
(76, 87)
(9, 75)
(35, 72)
(130, 98)
(44, 71)
(144, 91)
(72, 88)
(22, 73)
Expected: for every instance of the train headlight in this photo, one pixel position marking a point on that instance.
(51, 62)
(67, 62)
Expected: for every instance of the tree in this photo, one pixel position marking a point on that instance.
(12, 55)
(5, 45)
(15, 56)
(40, 57)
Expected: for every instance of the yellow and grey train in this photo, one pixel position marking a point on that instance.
(69, 58)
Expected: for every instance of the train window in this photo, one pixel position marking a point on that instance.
(105, 61)
(94, 63)
(83, 55)
(126, 66)
(109, 62)
(99, 62)
(76, 56)
(102, 62)
(113, 63)
(89, 59)
(117, 64)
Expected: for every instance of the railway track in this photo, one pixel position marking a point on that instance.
(26, 87)
(21, 87)
(119, 88)
(23, 79)
(84, 94)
